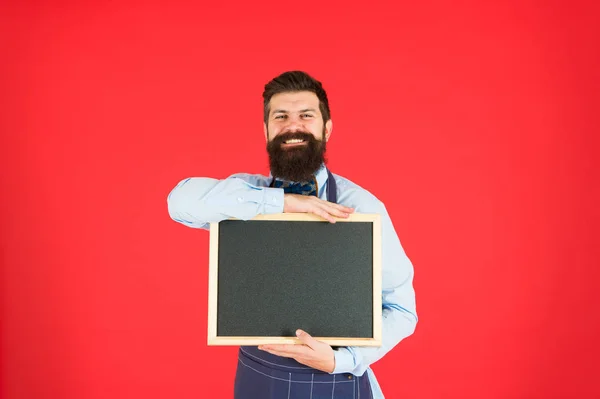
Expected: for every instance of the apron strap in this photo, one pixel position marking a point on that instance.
(331, 188)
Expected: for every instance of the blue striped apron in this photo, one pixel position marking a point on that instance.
(261, 375)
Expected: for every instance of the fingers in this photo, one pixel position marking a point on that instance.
(309, 344)
(343, 208)
(324, 214)
(327, 210)
(312, 353)
(309, 204)
(335, 211)
(291, 351)
(336, 207)
(307, 339)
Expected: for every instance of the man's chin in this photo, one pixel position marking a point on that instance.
(294, 153)
(295, 163)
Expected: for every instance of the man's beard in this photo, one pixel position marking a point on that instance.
(296, 163)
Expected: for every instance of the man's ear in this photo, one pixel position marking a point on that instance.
(328, 129)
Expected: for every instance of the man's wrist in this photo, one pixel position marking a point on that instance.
(273, 200)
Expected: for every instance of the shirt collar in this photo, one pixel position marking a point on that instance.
(321, 177)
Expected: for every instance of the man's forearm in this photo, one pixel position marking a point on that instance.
(198, 201)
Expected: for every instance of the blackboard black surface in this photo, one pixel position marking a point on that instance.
(275, 274)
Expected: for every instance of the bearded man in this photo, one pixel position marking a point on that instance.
(297, 126)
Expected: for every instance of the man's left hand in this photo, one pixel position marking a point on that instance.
(313, 353)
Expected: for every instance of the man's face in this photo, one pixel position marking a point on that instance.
(296, 135)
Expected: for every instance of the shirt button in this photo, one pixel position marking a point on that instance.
(240, 199)
(349, 377)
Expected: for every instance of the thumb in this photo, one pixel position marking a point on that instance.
(306, 339)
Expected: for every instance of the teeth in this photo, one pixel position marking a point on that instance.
(293, 141)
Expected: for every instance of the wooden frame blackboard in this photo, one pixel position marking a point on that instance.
(273, 274)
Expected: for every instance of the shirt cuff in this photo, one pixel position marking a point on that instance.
(272, 200)
(344, 361)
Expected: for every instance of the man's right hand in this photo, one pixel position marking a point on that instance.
(296, 203)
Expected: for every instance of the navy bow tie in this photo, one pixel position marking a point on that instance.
(304, 188)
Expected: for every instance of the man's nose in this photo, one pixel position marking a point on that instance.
(294, 125)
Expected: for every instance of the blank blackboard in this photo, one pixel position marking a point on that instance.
(276, 273)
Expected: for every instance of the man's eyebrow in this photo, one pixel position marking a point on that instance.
(283, 111)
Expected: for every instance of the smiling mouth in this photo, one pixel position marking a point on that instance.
(293, 142)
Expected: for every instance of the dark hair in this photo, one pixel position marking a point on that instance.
(293, 81)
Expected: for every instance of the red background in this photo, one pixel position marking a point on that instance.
(475, 122)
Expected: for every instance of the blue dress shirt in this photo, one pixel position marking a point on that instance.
(198, 201)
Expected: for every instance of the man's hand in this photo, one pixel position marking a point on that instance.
(296, 203)
(313, 353)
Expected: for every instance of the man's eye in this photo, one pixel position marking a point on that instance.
(280, 117)
(306, 115)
